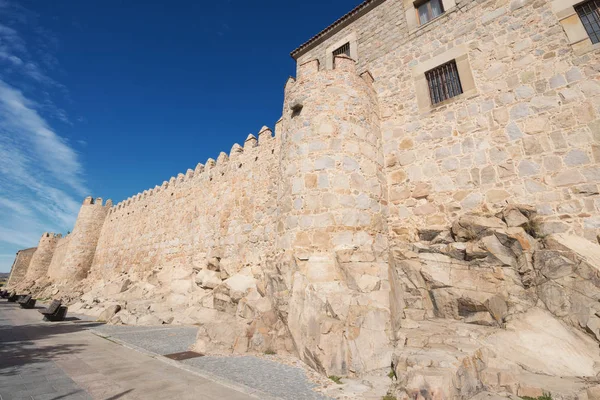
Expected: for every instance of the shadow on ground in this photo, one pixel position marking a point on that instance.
(18, 345)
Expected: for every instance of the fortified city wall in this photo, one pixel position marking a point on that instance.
(375, 228)
(38, 267)
(526, 130)
(20, 266)
(225, 208)
(60, 251)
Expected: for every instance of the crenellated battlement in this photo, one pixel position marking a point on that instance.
(202, 172)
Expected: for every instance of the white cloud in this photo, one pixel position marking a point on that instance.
(41, 175)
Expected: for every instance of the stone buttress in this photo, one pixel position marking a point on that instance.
(332, 220)
(83, 240)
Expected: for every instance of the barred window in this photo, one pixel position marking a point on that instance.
(589, 12)
(344, 49)
(444, 82)
(429, 10)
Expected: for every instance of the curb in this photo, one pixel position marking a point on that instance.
(257, 394)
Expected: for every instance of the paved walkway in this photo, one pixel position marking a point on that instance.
(66, 361)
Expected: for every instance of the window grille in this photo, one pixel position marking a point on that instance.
(444, 82)
(345, 49)
(429, 10)
(589, 13)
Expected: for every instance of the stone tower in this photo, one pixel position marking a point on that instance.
(331, 161)
(18, 272)
(41, 259)
(332, 219)
(83, 240)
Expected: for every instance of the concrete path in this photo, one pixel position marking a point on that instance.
(66, 361)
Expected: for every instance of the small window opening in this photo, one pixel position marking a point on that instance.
(429, 10)
(343, 50)
(296, 110)
(444, 82)
(589, 13)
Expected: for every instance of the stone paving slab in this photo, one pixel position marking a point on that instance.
(65, 361)
(158, 340)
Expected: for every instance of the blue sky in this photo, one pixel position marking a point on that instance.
(109, 98)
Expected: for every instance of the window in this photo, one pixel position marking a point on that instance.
(444, 82)
(429, 10)
(344, 49)
(589, 12)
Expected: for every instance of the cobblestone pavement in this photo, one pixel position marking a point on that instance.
(273, 379)
(278, 380)
(66, 361)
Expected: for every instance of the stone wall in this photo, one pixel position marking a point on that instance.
(527, 131)
(83, 240)
(60, 251)
(376, 33)
(19, 268)
(224, 209)
(332, 203)
(41, 259)
(528, 134)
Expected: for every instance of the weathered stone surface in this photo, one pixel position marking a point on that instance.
(109, 313)
(286, 243)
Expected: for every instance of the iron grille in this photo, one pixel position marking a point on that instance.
(345, 49)
(444, 82)
(589, 12)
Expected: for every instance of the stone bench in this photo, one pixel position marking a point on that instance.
(14, 297)
(55, 312)
(27, 302)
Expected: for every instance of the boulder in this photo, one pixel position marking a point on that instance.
(109, 312)
(543, 345)
(472, 226)
(208, 279)
(239, 285)
(150, 320)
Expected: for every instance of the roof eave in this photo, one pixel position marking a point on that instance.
(341, 23)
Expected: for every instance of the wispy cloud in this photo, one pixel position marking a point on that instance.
(41, 174)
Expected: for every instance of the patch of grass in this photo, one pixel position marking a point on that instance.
(336, 379)
(392, 374)
(270, 352)
(388, 397)
(545, 396)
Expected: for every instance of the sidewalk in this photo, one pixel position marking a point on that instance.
(66, 361)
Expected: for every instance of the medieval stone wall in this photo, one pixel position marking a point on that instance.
(41, 259)
(528, 132)
(84, 239)
(19, 268)
(224, 209)
(60, 252)
(375, 34)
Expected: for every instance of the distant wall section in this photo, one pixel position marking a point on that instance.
(20, 266)
(38, 268)
(58, 258)
(83, 240)
(223, 209)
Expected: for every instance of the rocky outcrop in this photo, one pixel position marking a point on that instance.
(492, 306)
(486, 307)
